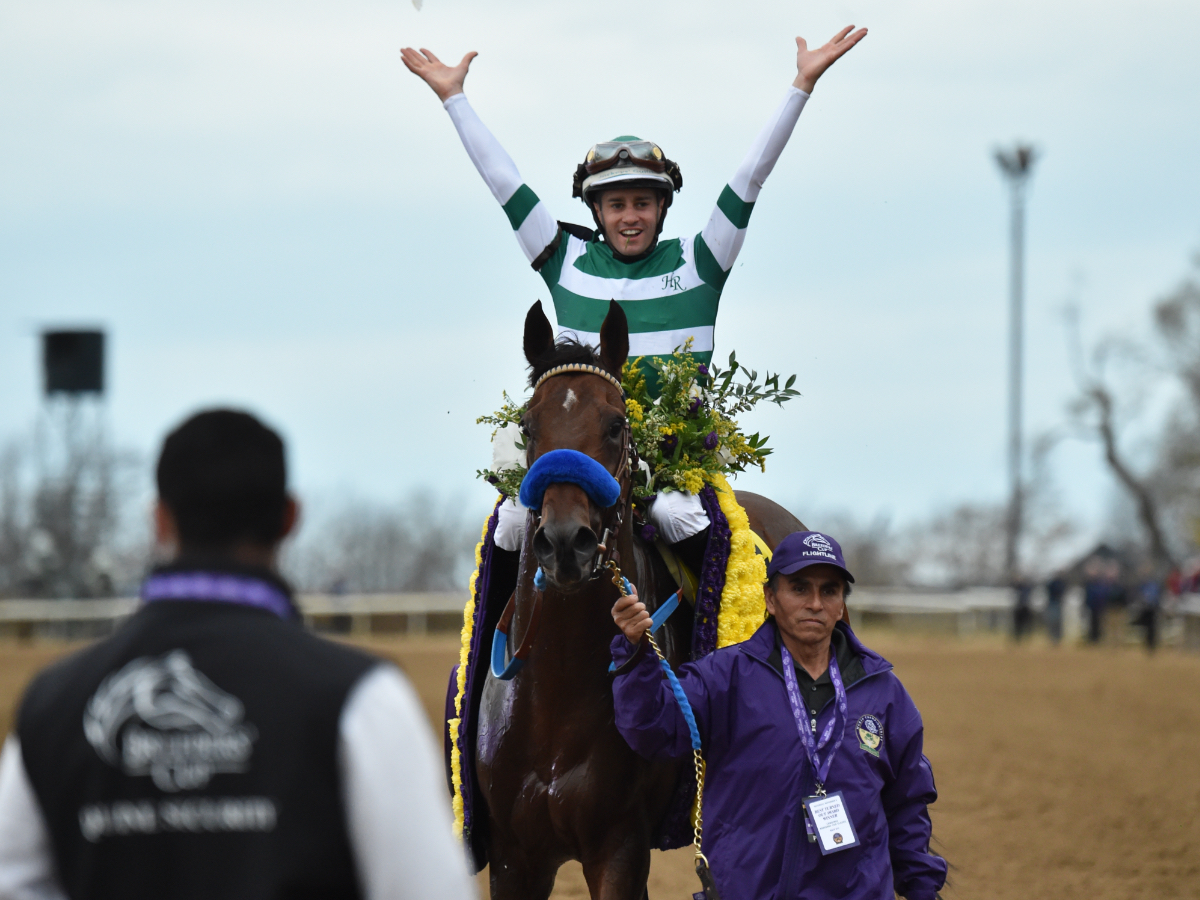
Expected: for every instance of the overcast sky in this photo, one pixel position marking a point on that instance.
(263, 208)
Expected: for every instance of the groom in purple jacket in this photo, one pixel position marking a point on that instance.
(816, 786)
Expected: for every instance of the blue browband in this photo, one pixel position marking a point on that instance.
(568, 466)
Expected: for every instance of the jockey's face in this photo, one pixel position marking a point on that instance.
(807, 604)
(630, 218)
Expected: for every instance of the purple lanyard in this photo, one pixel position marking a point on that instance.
(226, 588)
(813, 747)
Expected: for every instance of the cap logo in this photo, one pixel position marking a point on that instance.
(818, 544)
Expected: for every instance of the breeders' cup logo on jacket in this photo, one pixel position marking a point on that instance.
(870, 734)
(818, 545)
(163, 718)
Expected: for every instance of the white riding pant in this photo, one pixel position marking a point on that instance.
(676, 515)
(510, 525)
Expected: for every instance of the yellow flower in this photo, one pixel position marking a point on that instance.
(693, 481)
(632, 377)
(743, 608)
(634, 410)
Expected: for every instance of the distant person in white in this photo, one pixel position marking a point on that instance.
(222, 606)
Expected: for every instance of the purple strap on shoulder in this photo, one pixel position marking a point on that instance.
(221, 587)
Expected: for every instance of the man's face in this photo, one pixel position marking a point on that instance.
(630, 218)
(807, 604)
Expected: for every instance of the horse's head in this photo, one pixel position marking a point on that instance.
(583, 412)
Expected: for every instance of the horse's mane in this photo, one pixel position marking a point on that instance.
(565, 351)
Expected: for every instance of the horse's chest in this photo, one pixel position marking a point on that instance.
(551, 763)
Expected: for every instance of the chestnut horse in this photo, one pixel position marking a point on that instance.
(559, 780)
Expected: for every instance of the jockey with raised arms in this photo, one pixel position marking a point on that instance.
(669, 289)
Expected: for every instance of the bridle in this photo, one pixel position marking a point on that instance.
(607, 549)
(607, 555)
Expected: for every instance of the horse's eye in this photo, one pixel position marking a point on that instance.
(615, 429)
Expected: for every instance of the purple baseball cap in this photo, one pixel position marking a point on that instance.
(802, 549)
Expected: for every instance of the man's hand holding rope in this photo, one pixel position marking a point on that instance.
(631, 616)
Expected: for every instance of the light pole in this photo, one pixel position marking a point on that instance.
(1016, 165)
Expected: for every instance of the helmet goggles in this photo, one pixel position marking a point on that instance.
(643, 154)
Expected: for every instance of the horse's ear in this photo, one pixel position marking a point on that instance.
(614, 339)
(539, 333)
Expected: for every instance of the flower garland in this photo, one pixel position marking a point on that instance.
(464, 658)
(743, 608)
(712, 576)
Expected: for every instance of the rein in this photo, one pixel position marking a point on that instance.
(607, 554)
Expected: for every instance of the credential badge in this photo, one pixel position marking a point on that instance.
(870, 734)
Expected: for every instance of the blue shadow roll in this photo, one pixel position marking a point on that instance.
(572, 467)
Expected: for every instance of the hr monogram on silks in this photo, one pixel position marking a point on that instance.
(162, 718)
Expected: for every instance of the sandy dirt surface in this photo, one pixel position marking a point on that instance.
(1067, 773)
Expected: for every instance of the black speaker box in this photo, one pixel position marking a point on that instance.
(73, 362)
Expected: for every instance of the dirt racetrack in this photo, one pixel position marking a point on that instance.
(1069, 773)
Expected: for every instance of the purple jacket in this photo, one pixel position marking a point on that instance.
(757, 773)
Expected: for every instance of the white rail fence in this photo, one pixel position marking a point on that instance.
(357, 614)
(950, 613)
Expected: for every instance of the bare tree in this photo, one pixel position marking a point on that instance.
(1095, 409)
(422, 544)
(964, 545)
(66, 523)
(1176, 473)
(1165, 495)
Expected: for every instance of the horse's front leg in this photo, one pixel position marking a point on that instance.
(620, 870)
(513, 875)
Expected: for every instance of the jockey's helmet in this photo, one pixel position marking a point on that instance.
(626, 161)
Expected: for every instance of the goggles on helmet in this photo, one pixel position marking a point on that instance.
(643, 154)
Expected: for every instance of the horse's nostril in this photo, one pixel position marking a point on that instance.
(585, 541)
(543, 547)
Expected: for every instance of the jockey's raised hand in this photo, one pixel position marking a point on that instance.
(445, 80)
(631, 616)
(811, 64)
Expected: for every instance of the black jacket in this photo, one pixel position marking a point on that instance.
(194, 754)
